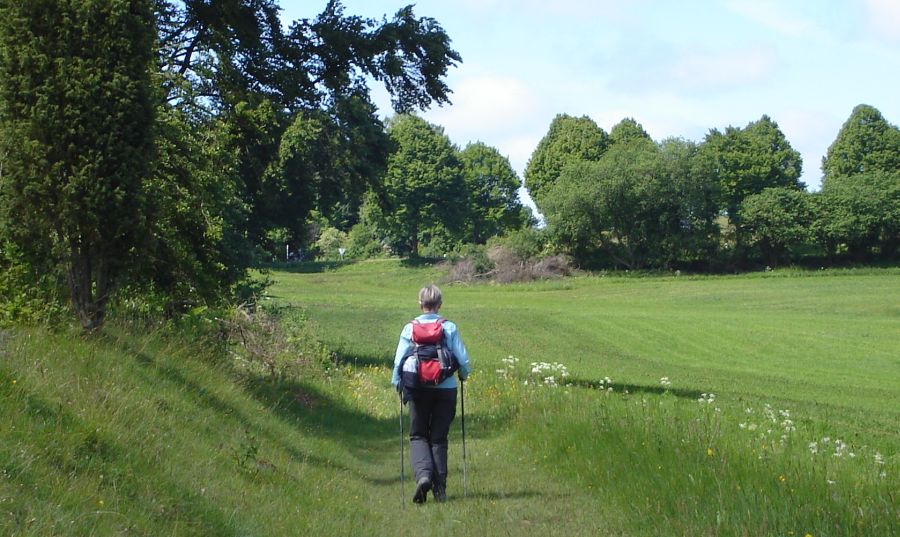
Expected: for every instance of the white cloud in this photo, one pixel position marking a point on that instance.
(775, 16)
(486, 104)
(884, 18)
(708, 70)
(519, 149)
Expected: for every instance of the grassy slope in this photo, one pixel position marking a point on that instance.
(146, 435)
(149, 434)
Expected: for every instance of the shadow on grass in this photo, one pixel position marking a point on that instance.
(80, 450)
(306, 267)
(305, 408)
(634, 388)
(419, 262)
(363, 360)
(300, 403)
(295, 404)
(497, 495)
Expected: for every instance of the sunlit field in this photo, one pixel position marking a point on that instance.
(755, 404)
(749, 405)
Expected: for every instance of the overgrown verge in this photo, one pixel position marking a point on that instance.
(691, 464)
(175, 428)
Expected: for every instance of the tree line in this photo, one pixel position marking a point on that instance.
(734, 200)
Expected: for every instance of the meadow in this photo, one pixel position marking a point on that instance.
(611, 404)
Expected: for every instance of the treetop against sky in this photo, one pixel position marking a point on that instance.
(678, 68)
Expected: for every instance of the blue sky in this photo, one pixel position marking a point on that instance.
(678, 68)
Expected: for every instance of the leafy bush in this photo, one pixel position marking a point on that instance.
(364, 242)
(27, 294)
(526, 243)
(329, 243)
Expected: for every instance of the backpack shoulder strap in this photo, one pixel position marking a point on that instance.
(439, 320)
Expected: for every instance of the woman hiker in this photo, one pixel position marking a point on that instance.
(432, 402)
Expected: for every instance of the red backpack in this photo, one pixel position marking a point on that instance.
(434, 363)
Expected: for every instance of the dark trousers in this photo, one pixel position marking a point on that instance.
(431, 411)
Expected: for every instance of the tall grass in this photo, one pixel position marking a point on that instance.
(686, 465)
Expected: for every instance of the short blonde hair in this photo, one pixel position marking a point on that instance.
(430, 297)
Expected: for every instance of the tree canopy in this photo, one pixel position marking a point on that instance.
(866, 143)
(234, 50)
(75, 96)
(493, 186)
(424, 186)
(749, 160)
(568, 140)
(627, 130)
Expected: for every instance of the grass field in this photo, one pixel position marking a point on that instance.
(157, 433)
(824, 342)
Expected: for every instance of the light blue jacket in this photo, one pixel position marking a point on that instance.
(454, 343)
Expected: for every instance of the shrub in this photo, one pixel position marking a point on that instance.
(471, 261)
(363, 242)
(273, 341)
(555, 266)
(329, 243)
(502, 264)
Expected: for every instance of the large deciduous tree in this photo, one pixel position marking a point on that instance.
(75, 95)
(235, 58)
(641, 204)
(568, 140)
(777, 221)
(749, 160)
(493, 185)
(866, 143)
(424, 187)
(860, 215)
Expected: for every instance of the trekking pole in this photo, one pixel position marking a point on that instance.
(402, 473)
(462, 393)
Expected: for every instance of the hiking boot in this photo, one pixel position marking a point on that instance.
(440, 491)
(423, 485)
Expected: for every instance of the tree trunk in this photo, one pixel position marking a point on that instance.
(88, 280)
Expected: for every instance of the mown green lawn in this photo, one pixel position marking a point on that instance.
(825, 342)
